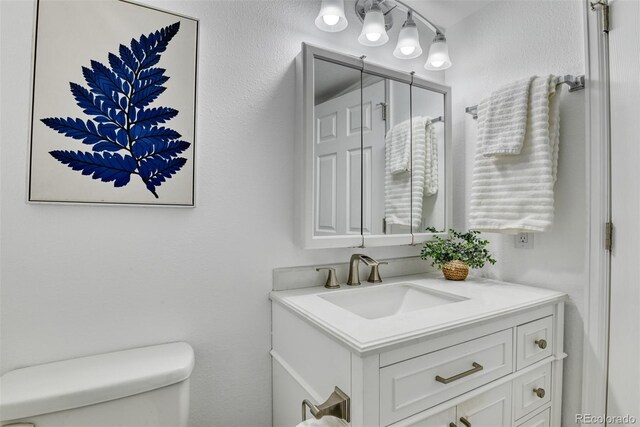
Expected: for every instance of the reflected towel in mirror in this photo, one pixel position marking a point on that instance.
(398, 147)
(405, 189)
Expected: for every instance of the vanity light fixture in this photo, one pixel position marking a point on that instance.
(331, 17)
(438, 58)
(408, 46)
(377, 19)
(374, 32)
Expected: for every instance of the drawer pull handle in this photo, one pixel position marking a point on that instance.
(452, 425)
(476, 368)
(465, 421)
(539, 392)
(541, 343)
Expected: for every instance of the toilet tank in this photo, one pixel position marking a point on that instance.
(141, 387)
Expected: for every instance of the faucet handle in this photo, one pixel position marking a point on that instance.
(332, 282)
(374, 276)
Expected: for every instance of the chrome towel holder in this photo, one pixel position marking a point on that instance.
(575, 83)
(338, 405)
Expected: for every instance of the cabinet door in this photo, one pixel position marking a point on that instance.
(338, 123)
(428, 174)
(386, 151)
(490, 409)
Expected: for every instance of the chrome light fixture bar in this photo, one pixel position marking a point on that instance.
(377, 19)
(438, 58)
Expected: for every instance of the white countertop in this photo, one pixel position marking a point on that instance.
(484, 299)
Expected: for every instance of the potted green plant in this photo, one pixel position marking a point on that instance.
(456, 253)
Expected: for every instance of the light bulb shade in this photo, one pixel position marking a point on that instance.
(331, 17)
(438, 54)
(373, 28)
(408, 46)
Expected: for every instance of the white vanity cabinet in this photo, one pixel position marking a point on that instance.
(500, 368)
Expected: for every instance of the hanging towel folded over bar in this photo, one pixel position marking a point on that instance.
(513, 194)
(405, 190)
(398, 147)
(506, 119)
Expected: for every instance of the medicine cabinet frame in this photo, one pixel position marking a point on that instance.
(304, 161)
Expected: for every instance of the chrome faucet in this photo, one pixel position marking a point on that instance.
(354, 273)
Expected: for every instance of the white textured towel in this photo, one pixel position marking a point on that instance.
(419, 180)
(513, 194)
(506, 119)
(398, 148)
(425, 163)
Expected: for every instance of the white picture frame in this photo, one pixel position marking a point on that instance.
(113, 105)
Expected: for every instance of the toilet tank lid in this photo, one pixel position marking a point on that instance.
(89, 380)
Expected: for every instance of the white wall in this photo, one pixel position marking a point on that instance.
(78, 280)
(500, 43)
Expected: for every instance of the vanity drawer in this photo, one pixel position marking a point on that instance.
(441, 419)
(534, 342)
(543, 419)
(423, 382)
(532, 390)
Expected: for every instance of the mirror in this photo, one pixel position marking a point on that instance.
(372, 153)
(337, 149)
(386, 145)
(429, 153)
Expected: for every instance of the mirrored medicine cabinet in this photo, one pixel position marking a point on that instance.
(373, 151)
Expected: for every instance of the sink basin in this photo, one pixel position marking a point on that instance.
(385, 301)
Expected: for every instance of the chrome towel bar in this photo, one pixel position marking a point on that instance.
(574, 82)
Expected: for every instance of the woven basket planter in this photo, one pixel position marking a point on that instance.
(455, 270)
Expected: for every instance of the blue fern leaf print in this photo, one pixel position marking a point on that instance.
(162, 149)
(155, 116)
(157, 170)
(107, 167)
(125, 134)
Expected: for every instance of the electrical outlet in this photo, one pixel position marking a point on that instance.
(524, 241)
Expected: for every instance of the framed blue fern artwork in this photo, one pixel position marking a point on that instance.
(114, 104)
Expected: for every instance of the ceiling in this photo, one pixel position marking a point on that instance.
(446, 13)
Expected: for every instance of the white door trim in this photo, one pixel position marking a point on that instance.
(596, 321)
